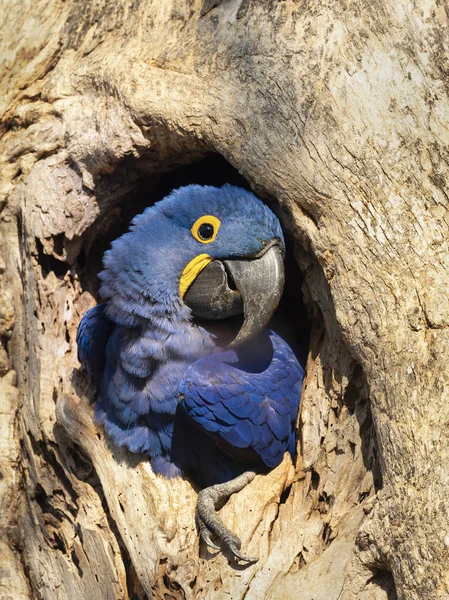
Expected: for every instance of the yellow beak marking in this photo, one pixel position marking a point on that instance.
(191, 272)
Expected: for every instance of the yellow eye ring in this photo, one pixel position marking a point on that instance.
(205, 229)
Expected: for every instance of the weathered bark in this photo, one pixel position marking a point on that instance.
(337, 111)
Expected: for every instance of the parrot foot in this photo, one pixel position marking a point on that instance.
(210, 523)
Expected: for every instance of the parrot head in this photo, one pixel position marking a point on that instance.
(217, 251)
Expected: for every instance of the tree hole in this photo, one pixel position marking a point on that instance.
(292, 319)
(50, 263)
(384, 580)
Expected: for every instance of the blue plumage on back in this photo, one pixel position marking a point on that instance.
(168, 386)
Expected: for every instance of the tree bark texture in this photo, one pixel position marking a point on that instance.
(336, 112)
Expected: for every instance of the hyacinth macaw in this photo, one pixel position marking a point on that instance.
(187, 372)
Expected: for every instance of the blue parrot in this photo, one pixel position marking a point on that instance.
(188, 373)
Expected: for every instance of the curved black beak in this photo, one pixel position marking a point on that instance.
(248, 286)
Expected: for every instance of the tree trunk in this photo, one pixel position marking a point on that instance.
(337, 114)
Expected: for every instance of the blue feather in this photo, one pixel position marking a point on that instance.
(92, 337)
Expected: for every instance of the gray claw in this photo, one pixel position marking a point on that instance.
(205, 536)
(235, 551)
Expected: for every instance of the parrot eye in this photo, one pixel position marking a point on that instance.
(205, 229)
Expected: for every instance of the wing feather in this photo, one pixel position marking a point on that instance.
(248, 398)
(92, 336)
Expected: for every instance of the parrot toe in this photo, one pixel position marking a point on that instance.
(210, 523)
